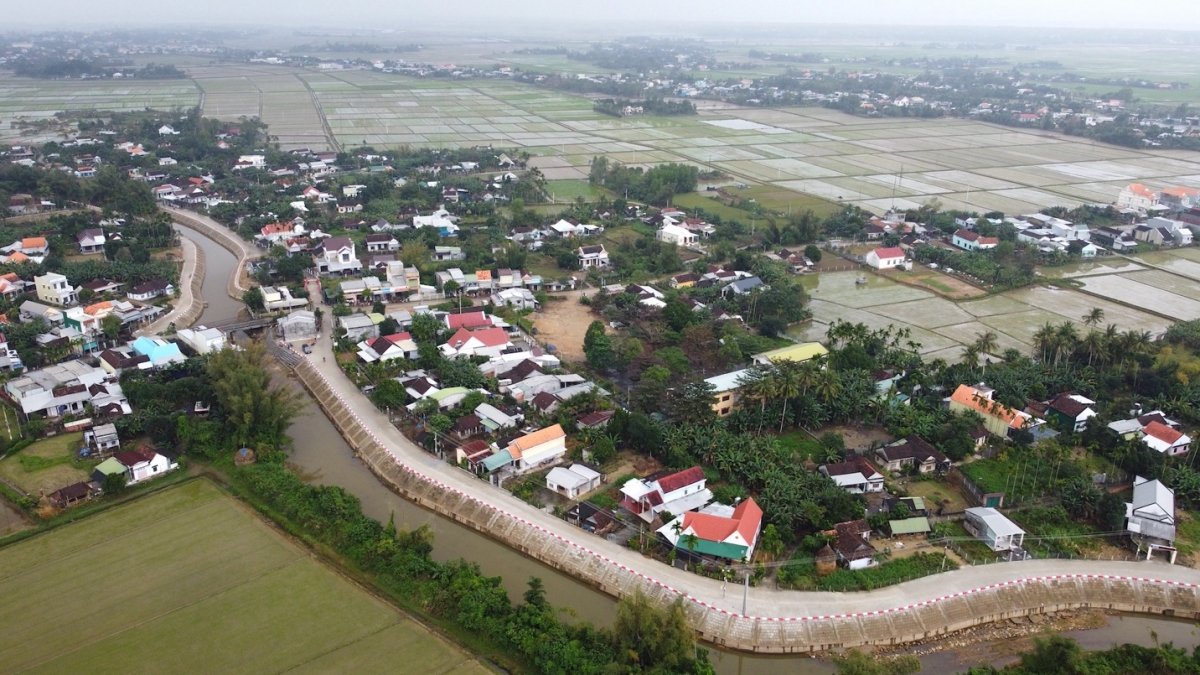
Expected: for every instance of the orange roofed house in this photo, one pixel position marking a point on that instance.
(998, 418)
(531, 450)
(1137, 196)
(720, 531)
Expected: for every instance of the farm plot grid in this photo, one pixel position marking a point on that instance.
(875, 163)
(943, 327)
(188, 581)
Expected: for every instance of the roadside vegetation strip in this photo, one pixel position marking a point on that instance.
(1019, 582)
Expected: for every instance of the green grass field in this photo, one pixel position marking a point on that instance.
(187, 580)
(46, 465)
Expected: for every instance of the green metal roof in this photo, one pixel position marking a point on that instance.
(715, 548)
(915, 525)
(110, 466)
(498, 460)
(448, 392)
(918, 503)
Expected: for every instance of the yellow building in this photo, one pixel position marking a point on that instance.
(804, 351)
(726, 391)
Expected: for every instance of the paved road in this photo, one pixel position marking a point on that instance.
(185, 301)
(763, 602)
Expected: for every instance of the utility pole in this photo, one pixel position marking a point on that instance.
(746, 593)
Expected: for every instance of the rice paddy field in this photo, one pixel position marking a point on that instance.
(942, 326)
(187, 580)
(786, 155)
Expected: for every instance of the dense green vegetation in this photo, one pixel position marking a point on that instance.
(1058, 655)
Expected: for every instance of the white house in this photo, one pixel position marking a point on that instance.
(973, 241)
(336, 255)
(1160, 437)
(276, 298)
(387, 348)
(144, 464)
(855, 475)
(593, 257)
(149, 290)
(203, 340)
(574, 481)
(517, 298)
(91, 241)
(885, 258)
(102, 438)
(675, 494)
(1150, 517)
(167, 130)
(992, 528)
(382, 243)
(53, 288)
(1137, 196)
(674, 234)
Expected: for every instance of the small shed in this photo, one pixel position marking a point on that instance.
(574, 481)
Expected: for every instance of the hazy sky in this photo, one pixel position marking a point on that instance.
(650, 16)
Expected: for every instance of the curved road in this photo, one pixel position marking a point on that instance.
(890, 610)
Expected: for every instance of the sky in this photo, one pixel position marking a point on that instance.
(652, 16)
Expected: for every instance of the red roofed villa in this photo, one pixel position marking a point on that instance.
(720, 531)
(1160, 437)
(674, 493)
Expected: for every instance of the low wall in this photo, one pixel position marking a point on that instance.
(196, 308)
(894, 625)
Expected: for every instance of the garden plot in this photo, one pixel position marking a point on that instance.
(1118, 287)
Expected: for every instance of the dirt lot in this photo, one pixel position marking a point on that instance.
(858, 438)
(563, 324)
(942, 284)
(935, 493)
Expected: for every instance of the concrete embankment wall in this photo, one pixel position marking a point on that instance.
(196, 308)
(225, 239)
(889, 625)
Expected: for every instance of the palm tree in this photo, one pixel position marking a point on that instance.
(787, 386)
(828, 385)
(970, 357)
(1094, 346)
(986, 342)
(1093, 317)
(1044, 339)
(1066, 336)
(759, 383)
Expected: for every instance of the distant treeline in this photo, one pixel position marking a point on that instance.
(806, 57)
(650, 106)
(55, 68)
(361, 47)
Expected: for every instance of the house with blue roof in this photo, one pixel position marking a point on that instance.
(160, 352)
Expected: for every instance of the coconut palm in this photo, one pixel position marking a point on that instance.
(1043, 340)
(970, 357)
(986, 342)
(759, 383)
(1093, 318)
(828, 385)
(1094, 345)
(787, 386)
(1066, 336)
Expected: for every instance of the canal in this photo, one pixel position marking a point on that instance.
(321, 456)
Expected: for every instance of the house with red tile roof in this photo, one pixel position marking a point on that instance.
(998, 418)
(468, 320)
(719, 531)
(673, 493)
(1160, 437)
(537, 448)
(489, 342)
(886, 258)
(973, 241)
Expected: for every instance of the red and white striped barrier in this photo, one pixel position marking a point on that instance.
(707, 605)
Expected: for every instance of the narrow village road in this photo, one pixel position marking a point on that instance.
(188, 303)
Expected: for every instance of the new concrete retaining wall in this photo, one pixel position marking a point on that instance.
(890, 625)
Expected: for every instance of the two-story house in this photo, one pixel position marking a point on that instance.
(337, 256)
(673, 493)
(53, 288)
(593, 257)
